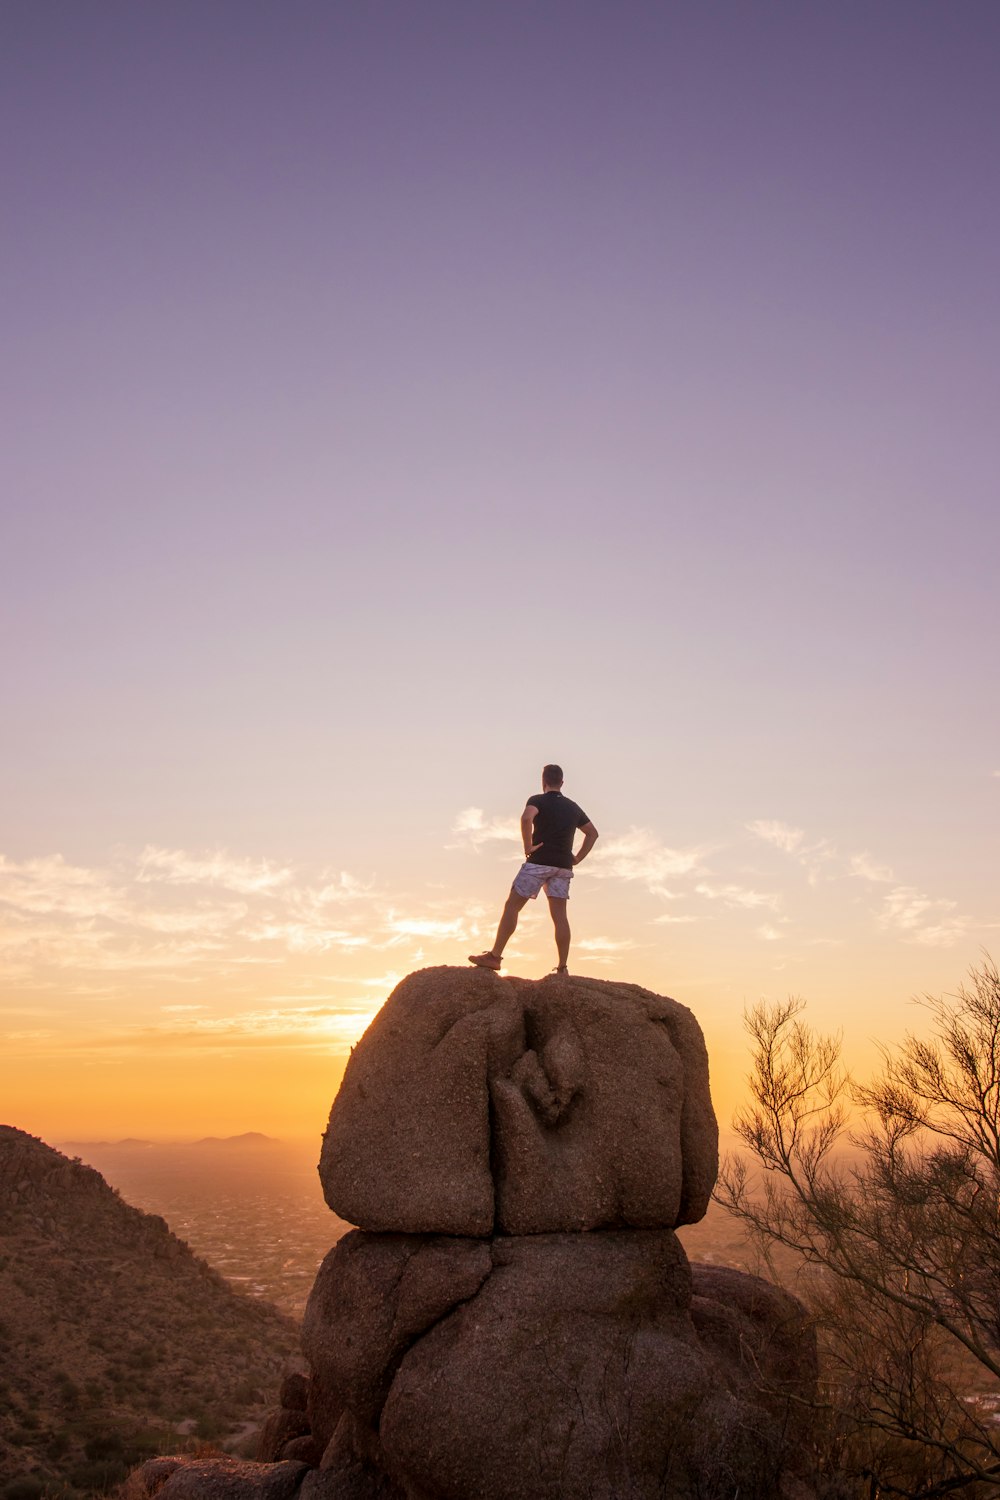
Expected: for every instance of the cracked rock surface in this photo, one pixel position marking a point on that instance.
(475, 1105)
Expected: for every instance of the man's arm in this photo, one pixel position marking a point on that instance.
(527, 830)
(589, 840)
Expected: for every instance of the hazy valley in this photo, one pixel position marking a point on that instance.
(251, 1206)
(254, 1209)
(116, 1339)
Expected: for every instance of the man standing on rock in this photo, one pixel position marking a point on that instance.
(548, 827)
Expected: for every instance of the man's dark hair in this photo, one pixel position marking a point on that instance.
(552, 775)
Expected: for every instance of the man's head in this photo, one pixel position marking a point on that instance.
(552, 778)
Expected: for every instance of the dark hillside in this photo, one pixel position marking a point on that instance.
(115, 1339)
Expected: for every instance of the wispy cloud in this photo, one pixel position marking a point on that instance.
(33, 1010)
(426, 927)
(51, 886)
(865, 868)
(474, 829)
(639, 855)
(602, 950)
(302, 937)
(204, 918)
(906, 912)
(737, 895)
(305, 1025)
(781, 835)
(604, 945)
(932, 921)
(175, 917)
(167, 911)
(813, 857)
(248, 876)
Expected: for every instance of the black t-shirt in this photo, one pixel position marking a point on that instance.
(556, 822)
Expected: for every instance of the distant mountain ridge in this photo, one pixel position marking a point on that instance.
(129, 1140)
(115, 1339)
(248, 1138)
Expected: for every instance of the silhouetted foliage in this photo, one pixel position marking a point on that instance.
(100, 1475)
(897, 1245)
(27, 1488)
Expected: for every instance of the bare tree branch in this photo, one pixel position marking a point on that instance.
(895, 1231)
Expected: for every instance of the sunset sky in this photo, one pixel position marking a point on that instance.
(398, 396)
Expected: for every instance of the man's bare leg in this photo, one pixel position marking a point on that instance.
(560, 921)
(508, 921)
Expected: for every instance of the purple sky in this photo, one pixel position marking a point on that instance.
(400, 395)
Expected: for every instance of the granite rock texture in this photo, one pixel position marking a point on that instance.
(374, 1296)
(547, 1366)
(219, 1478)
(475, 1106)
(756, 1328)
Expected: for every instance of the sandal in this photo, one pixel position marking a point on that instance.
(485, 961)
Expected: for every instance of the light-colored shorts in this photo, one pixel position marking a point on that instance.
(530, 878)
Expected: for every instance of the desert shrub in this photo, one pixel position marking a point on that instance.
(25, 1437)
(27, 1487)
(142, 1358)
(208, 1427)
(99, 1474)
(247, 1393)
(144, 1445)
(68, 1391)
(102, 1445)
(898, 1247)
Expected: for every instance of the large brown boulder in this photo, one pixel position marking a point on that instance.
(755, 1328)
(474, 1105)
(219, 1478)
(562, 1378)
(281, 1428)
(353, 1468)
(374, 1295)
(602, 1116)
(408, 1143)
(545, 1367)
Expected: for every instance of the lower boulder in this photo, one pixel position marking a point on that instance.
(374, 1296)
(755, 1330)
(219, 1478)
(546, 1367)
